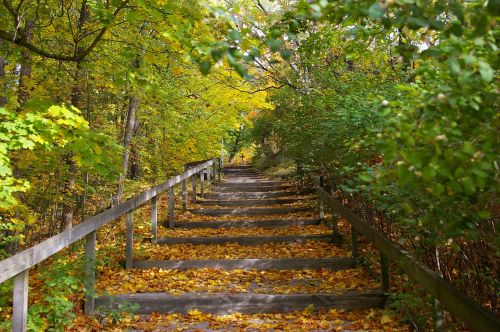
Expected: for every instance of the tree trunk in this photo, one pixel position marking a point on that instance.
(3, 80)
(26, 64)
(127, 140)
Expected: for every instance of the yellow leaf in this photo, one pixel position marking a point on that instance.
(385, 319)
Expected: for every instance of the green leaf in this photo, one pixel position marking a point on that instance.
(235, 35)
(486, 71)
(375, 11)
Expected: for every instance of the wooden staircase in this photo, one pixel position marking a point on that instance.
(247, 200)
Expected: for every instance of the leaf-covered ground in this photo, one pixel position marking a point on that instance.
(176, 282)
(306, 321)
(257, 231)
(309, 249)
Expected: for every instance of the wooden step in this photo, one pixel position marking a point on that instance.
(244, 240)
(222, 303)
(251, 195)
(334, 264)
(274, 223)
(249, 202)
(240, 180)
(263, 184)
(249, 189)
(248, 211)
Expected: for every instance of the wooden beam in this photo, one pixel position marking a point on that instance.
(272, 223)
(193, 184)
(222, 303)
(244, 240)
(171, 207)
(154, 218)
(129, 238)
(90, 265)
(202, 184)
(26, 259)
(184, 195)
(20, 302)
(477, 318)
(335, 264)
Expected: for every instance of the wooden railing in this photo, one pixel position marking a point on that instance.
(476, 318)
(17, 266)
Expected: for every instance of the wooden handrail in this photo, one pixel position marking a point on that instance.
(458, 303)
(26, 259)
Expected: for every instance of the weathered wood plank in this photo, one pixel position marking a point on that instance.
(261, 195)
(154, 218)
(34, 255)
(335, 264)
(129, 238)
(171, 207)
(20, 302)
(245, 240)
(219, 303)
(250, 189)
(184, 195)
(274, 223)
(248, 211)
(476, 318)
(193, 186)
(202, 184)
(254, 183)
(90, 265)
(250, 202)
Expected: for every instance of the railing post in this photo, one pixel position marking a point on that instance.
(220, 169)
(202, 182)
(214, 169)
(321, 203)
(209, 175)
(184, 195)
(171, 205)
(20, 302)
(384, 272)
(154, 218)
(193, 184)
(438, 316)
(355, 244)
(90, 262)
(129, 246)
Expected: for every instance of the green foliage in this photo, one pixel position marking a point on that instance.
(56, 126)
(410, 115)
(60, 283)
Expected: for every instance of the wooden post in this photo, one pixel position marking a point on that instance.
(184, 195)
(384, 272)
(321, 203)
(20, 302)
(193, 183)
(202, 181)
(214, 169)
(129, 246)
(209, 175)
(438, 316)
(355, 244)
(90, 261)
(171, 203)
(220, 169)
(154, 218)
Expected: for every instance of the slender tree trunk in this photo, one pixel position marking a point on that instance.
(77, 101)
(26, 65)
(3, 80)
(127, 140)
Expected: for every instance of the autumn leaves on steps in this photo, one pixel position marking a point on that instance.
(259, 249)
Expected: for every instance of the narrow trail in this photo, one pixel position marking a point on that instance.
(251, 255)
